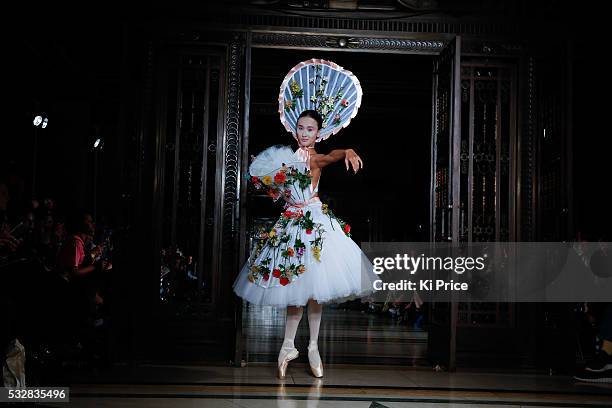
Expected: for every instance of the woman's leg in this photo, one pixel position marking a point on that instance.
(288, 351)
(294, 315)
(314, 320)
(315, 311)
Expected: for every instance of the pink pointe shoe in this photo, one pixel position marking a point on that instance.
(284, 357)
(316, 365)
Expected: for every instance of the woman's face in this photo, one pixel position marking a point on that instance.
(307, 131)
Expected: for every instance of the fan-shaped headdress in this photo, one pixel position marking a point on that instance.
(320, 85)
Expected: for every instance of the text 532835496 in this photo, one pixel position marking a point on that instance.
(35, 394)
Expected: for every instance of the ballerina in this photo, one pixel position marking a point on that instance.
(307, 258)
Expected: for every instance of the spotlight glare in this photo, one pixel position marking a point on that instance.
(96, 143)
(44, 123)
(37, 120)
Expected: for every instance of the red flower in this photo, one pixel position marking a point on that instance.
(290, 252)
(266, 276)
(345, 102)
(288, 214)
(280, 178)
(276, 273)
(309, 231)
(347, 228)
(254, 179)
(284, 281)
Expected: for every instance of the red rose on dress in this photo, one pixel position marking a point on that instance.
(288, 214)
(254, 179)
(284, 281)
(347, 228)
(266, 276)
(280, 178)
(309, 231)
(276, 273)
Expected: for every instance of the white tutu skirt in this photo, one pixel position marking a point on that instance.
(343, 272)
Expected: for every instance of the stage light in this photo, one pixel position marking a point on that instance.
(98, 144)
(40, 121)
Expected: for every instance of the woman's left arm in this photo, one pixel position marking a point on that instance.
(349, 156)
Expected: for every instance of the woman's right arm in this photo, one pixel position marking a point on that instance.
(349, 156)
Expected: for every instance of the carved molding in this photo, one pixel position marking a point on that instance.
(528, 156)
(232, 147)
(333, 42)
(485, 27)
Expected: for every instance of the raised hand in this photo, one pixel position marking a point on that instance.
(354, 160)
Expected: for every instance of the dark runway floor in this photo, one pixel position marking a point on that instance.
(342, 386)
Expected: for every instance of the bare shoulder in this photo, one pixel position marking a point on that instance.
(315, 159)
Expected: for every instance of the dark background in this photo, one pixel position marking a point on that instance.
(67, 62)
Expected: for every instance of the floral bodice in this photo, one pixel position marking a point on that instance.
(285, 175)
(298, 234)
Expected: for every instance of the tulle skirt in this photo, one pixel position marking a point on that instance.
(343, 272)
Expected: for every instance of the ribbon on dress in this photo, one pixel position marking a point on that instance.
(303, 154)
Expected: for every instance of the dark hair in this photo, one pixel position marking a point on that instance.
(314, 115)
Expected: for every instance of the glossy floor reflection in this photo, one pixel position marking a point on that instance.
(346, 335)
(314, 396)
(256, 386)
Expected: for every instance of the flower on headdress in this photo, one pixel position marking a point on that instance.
(266, 276)
(288, 104)
(290, 252)
(324, 208)
(272, 232)
(267, 180)
(284, 281)
(345, 103)
(296, 91)
(301, 269)
(337, 119)
(276, 273)
(313, 99)
(347, 229)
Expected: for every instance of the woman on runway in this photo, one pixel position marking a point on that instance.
(307, 258)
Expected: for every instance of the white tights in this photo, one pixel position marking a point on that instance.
(294, 315)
